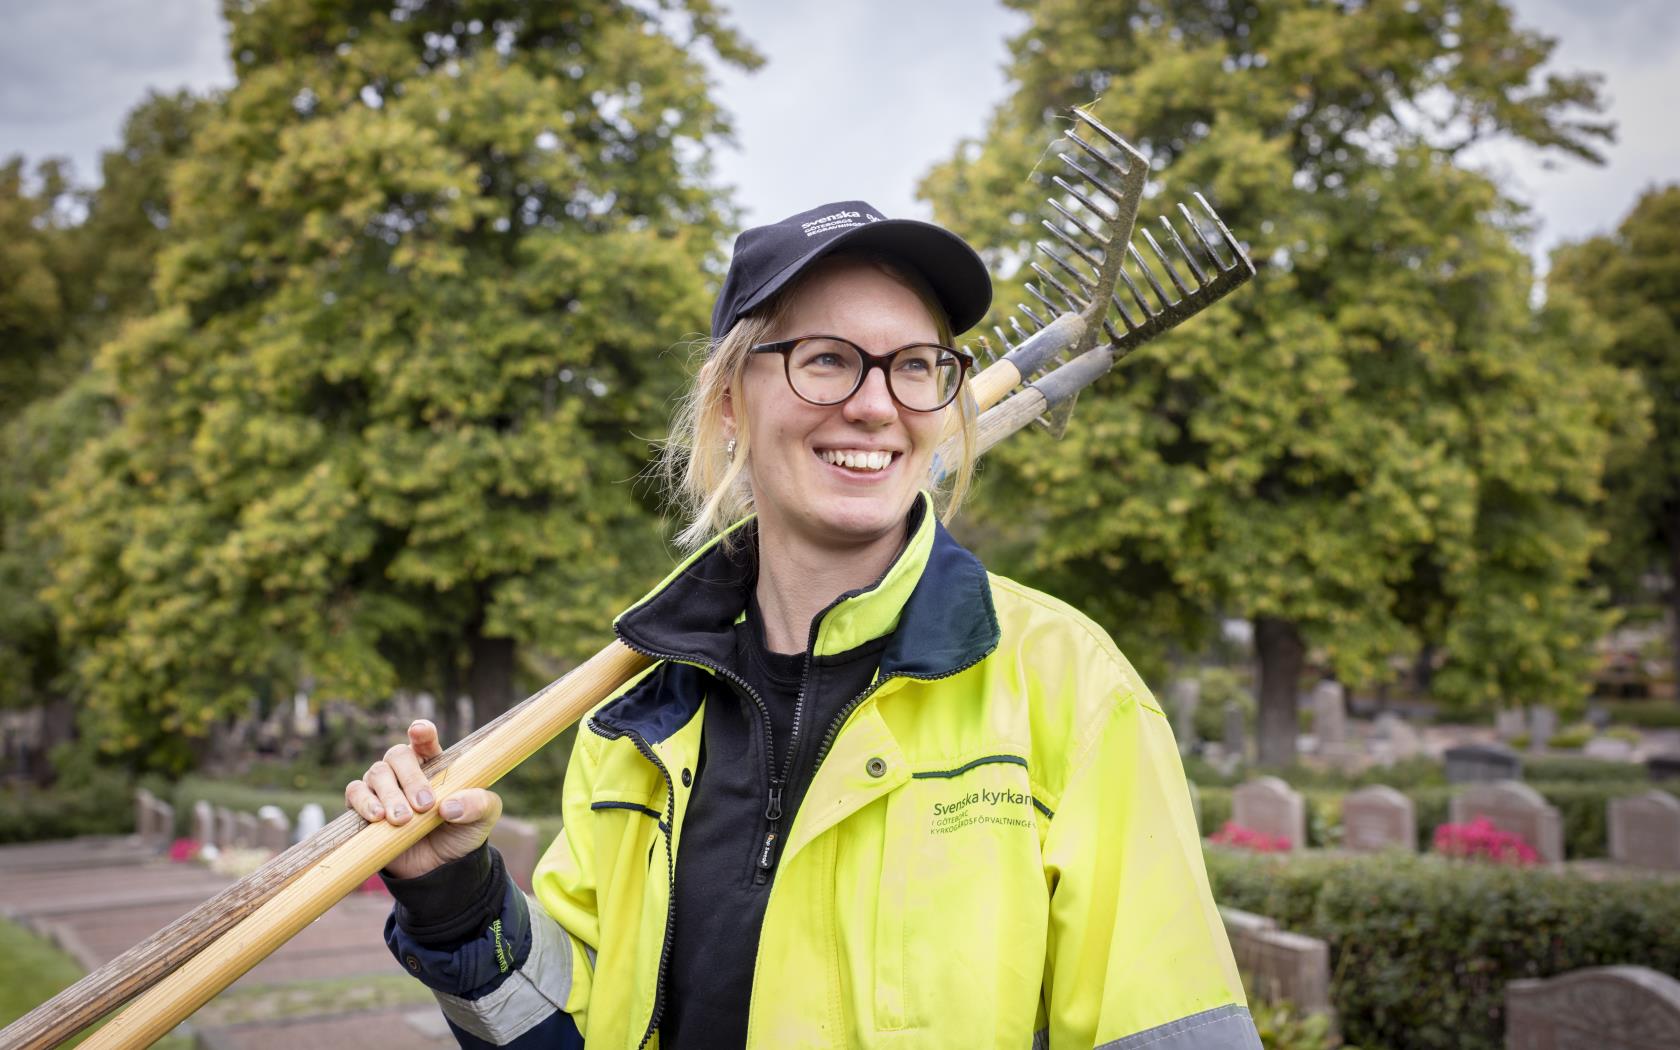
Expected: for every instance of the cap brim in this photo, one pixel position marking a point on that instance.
(951, 268)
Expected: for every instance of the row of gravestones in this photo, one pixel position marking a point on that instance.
(270, 829)
(1644, 829)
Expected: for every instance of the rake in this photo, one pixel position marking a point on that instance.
(1057, 354)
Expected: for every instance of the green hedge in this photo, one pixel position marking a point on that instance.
(1559, 768)
(1422, 948)
(103, 805)
(1648, 714)
(1583, 806)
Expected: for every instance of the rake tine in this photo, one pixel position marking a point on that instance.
(1080, 223)
(1090, 176)
(1201, 278)
(1166, 264)
(1225, 234)
(1143, 303)
(1004, 339)
(1027, 312)
(1076, 301)
(1102, 129)
(1207, 245)
(1044, 300)
(1084, 279)
(1020, 333)
(1073, 191)
(1084, 282)
(1148, 274)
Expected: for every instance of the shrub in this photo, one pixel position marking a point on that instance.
(1647, 714)
(1560, 768)
(1422, 948)
(102, 804)
(1625, 734)
(1283, 1027)
(1571, 738)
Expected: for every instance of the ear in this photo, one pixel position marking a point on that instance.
(730, 423)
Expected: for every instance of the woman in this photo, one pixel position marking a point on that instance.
(869, 795)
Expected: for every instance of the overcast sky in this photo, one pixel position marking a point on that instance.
(853, 106)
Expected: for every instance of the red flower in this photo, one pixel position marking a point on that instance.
(1234, 834)
(1481, 840)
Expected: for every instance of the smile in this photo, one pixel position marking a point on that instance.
(857, 458)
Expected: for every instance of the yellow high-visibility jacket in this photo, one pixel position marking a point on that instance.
(997, 849)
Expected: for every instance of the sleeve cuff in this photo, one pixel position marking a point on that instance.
(453, 903)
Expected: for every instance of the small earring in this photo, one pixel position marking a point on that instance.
(729, 449)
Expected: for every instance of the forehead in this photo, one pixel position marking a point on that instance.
(861, 301)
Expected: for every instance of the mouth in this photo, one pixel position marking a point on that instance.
(858, 460)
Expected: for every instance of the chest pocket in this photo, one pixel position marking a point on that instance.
(960, 928)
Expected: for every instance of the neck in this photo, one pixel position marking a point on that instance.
(797, 580)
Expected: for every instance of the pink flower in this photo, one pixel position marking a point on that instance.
(1481, 840)
(374, 884)
(182, 850)
(1234, 834)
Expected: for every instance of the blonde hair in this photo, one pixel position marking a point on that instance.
(712, 489)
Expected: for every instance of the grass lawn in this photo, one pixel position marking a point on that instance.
(33, 970)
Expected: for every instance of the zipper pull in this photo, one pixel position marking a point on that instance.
(767, 855)
(773, 809)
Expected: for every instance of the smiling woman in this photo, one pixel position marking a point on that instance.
(869, 794)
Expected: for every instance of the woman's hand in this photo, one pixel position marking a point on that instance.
(394, 789)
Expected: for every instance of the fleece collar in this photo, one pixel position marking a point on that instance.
(934, 602)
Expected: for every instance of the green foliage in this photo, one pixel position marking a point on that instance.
(1379, 442)
(406, 354)
(100, 805)
(1422, 948)
(1572, 737)
(1647, 714)
(1283, 1027)
(1578, 769)
(32, 970)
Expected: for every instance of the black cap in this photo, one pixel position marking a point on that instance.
(768, 257)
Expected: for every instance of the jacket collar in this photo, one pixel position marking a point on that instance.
(934, 602)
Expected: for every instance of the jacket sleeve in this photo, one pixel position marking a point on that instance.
(506, 970)
(1137, 955)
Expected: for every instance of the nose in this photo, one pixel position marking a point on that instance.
(872, 404)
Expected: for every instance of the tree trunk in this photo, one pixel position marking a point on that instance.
(1671, 533)
(490, 677)
(1281, 652)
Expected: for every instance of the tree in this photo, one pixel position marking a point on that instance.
(1376, 445)
(382, 428)
(1631, 281)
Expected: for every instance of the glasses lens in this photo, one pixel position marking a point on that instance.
(823, 370)
(925, 376)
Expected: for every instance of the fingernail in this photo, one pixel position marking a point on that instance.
(452, 810)
(399, 812)
(375, 811)
(423, 799)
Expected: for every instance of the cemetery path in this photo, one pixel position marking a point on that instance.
(333, 985)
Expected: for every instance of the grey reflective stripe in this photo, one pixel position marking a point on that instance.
(530, 994)
(1222, 1028)
(1041, 1039)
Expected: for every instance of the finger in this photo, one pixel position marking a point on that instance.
(472, 806)
(384, 786)
(423, 738)
(410, 776)
(360, 800)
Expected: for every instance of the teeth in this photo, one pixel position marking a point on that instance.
(857, 459)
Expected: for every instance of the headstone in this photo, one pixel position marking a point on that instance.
(1278, 965)
(1403, 740)
(1608, 748)
(1542, 723)
(226, 828)
(1271, 807)
(204, 823)
(1482, 763)
(245, 830)
(1517, 808)
(163, 818)
(464, 722)
(1187, 696)
(517, 842)
(310, 820)
(1663, 767)
(1329, 701)
(1645, 831)
(1379, 818)
(1602, 1008)
(1236, 729)
(1510, 722)
(274, 831)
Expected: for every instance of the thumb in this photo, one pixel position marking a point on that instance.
(472, 806)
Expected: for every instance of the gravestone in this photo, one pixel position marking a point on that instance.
(310, 820)
(1236, 732)
(1329, 702)
(516, 841)
(1601, 1008)
(1378, 818)
(1542, 724)
(227, 835)
(1663, 767)
(245, 830)
(163, 818)
(143, 813)
(1482, 763)
(1510, 722)
(1608, 748)
(1271, 807)
(1187, 696)
(204, 823)
(1402, 739)
(1278, 965)
(1517, 808)
(274, 830)
(1645, 831)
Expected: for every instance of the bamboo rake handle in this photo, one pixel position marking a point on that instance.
(532, 725)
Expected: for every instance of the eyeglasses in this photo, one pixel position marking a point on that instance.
(827, 370)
